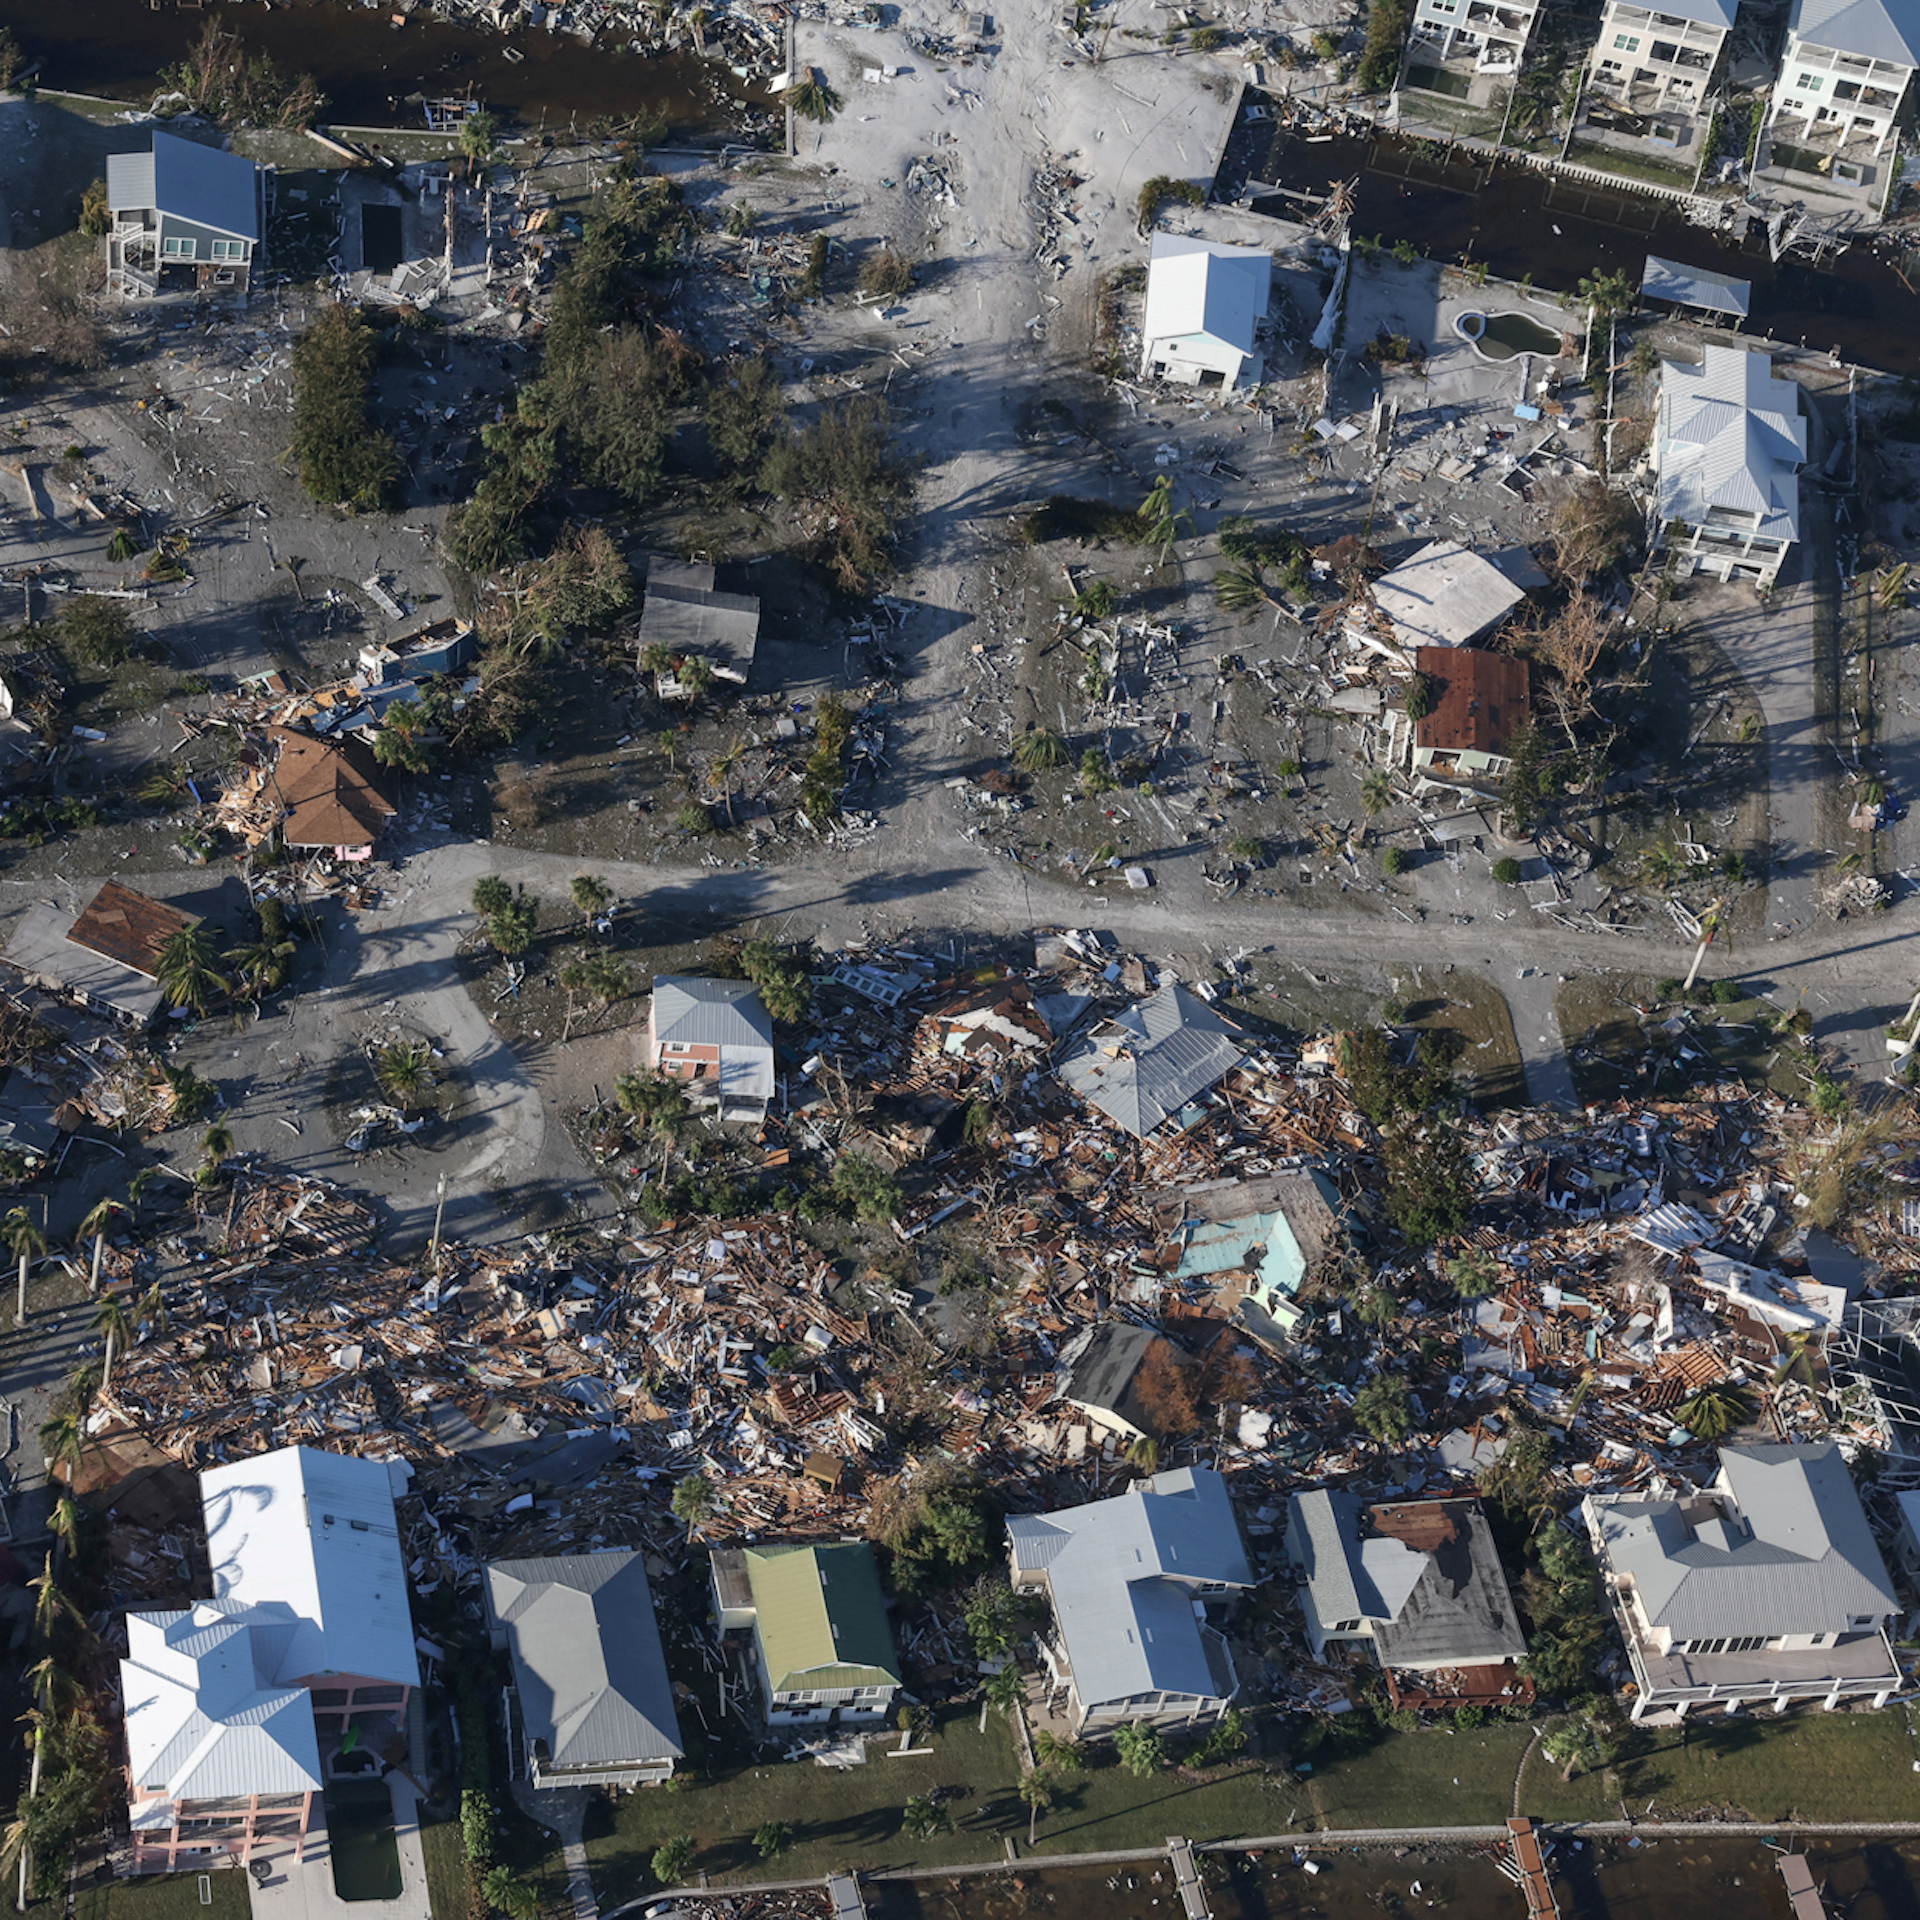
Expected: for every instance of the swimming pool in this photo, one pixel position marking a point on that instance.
(1501, 336)
(366, 1856)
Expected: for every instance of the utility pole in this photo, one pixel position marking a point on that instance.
(439, 1208)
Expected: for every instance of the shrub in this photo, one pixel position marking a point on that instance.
(1724, 993)
(1140, 1747)
(1162, 188)
(885, 275)
(1393, 861)
(848, 488)
(97, 629)
(1506, 870)
(344, 459)
(1387, 22)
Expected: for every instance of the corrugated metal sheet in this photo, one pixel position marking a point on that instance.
(586, 1657)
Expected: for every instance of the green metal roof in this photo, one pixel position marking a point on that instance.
(821, 1620)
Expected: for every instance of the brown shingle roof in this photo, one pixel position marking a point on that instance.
(328, 789)
(1479, 703)
(122, 925)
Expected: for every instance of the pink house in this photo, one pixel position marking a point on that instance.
(238, 1709)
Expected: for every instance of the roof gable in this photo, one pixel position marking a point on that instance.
(1122, 1572)
(1729, 437)
(190, 181)
(315, 1534)
(1150, 1059)
(587, 1659)
(129, 928)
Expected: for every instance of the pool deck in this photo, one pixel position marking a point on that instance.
(303, 1890)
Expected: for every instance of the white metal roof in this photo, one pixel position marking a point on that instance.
(1123, 1575)
(1730, 436)
(1205, 289)
(1874, 29)
(316, 1533)
(727, 1014)
(204, 1718)
(1445, 596)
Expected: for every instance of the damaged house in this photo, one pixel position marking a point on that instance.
(716, 1037)
(1764, 1589)
(1480, 701)
(1255, 1242)
(327, 794)
(108, 956)
(1150, 1061)
(1130, 1581)
(682, 618)
(1419, 1584)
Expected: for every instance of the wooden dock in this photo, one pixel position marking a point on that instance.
(1801, 1892)
(1528, 1870)
(1186, 1876)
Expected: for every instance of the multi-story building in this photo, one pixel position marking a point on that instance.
(1468, 48)
(1727, 447)
(1659, 66)
(1763, 1589)
(1834, 117)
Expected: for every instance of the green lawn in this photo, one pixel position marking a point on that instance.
(446, 1870)
(164, 1896)
(1432, 1778)
(839, 1819)
(1810, 1766)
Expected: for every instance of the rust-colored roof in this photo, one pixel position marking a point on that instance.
(127, 927)
(328, 789)
(1479, 699)
(1424, 1525)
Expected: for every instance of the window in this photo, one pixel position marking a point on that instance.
(1611, 66)
(180, 249)
(1627, 42)
(1345, 1626)
(1739, 1643)
(375, 1696)
(1807, 82)
(229, 249)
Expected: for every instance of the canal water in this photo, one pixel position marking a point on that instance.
(1520, 222)
(368, 68)
(1664, 1879)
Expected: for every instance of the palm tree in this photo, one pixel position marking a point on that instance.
(64, 1524)
(405, 1071)
(608, 979)
(1161, 521)
(812, 98)
(110, 1318)
(27, 1244)
(1716, 1411)
(63, 1439)
(1376, 791)
(721, 772)
(1056, 1751)
(216, 1145)
(186, 971)
(477, 133)
(94, 1227)
(51, 1606)
(591, 895)
(509, 1894)
(695, 677)
(573, 979)
(1037, 1791)
(693, 1502)
(1377, 1307)
(398, 746)
(261, 966)
(151, 1313)
(1038, 750)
